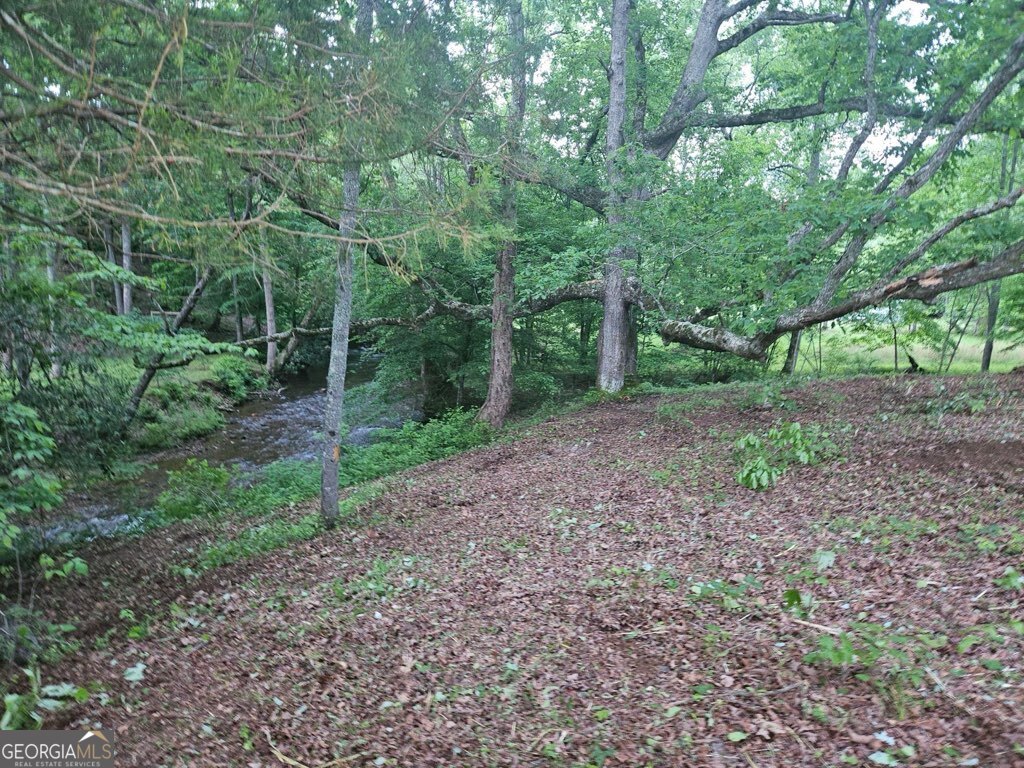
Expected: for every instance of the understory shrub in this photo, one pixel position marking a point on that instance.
(237, 377)
(763, 459)
(26, 484)
(83, 412)
(175, 410)
(279, 484)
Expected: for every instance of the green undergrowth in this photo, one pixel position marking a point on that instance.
(182, 405)
(414, 444)
(200, 490)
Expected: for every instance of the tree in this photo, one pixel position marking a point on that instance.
(500, 380)
(1007, 176)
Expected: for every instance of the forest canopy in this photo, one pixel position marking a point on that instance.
(491, 190)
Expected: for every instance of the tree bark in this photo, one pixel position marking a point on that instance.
(268, 303)
(632, 343)
(499, 386)
(793, 353)
(611, 373)
(500, 383)
(126, 264)
(108, 246)
(338, 367)
(342, 320)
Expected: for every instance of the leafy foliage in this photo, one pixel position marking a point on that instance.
(25, 711)
(414, 444)
(26, 486)
(763, 459)
(237, 377)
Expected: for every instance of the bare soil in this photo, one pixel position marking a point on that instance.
(601, 591)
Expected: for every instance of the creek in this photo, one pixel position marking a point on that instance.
(286, 424)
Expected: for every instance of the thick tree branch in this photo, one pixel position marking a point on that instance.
(922, 286)
(776, 19)
(135, 400)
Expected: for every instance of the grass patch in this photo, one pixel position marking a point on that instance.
(260, 539)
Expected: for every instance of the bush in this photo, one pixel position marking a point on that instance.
(197, 489)
(237, 377)
(176, 410)
(172, 428)
(171, 391)
(84, 415)
(26, 447)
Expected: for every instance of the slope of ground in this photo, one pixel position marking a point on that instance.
(601, 591)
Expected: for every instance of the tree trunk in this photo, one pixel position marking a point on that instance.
(126, 264)
(268, 303)
(990, 325)
(53, 254)
(614, 342)
(338, 367)
(154, 364)
(342, 320)
(793, 353)
(500, 382)
(499, 385)
(108, 246)
(585, 331)
(239, 335)
(632, 343)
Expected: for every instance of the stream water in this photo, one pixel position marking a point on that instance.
(285, 425)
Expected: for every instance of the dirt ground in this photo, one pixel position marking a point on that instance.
(601, 591)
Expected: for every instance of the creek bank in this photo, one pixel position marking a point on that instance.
(284, 424)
